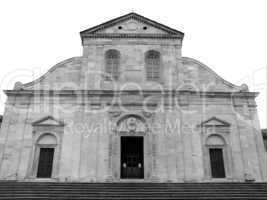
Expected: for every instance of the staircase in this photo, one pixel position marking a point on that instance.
(10, 190)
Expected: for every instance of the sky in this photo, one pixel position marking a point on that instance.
(230, 36)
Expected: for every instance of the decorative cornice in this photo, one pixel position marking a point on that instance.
(131, 35)
(219, 123)
(48, 121)
(127, 92)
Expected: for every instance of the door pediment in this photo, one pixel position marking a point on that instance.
(48, 121)
(214, 121)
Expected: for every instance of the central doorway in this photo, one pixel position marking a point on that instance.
(132, 157)
(45, 165)
(217, 163)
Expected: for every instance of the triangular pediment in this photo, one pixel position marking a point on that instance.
(214, 122)
(48, 121)
(131, 24)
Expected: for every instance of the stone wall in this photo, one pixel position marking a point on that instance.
(176, 148)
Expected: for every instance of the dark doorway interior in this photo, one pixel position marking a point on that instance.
(45, 164)
(132, 157)
(217, 163)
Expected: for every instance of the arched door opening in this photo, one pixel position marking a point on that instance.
(46, 145)
(132, 157)
(216, 149)
(133, 163)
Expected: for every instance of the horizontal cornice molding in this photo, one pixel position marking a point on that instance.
(129, 92)
(131, 35)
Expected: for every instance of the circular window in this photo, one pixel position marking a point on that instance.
(144, 28)
(120, 27)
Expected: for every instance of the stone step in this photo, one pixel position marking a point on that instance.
(12, 190)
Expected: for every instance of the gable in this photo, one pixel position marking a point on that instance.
(48, 121)
(131, 25)
(214, 122)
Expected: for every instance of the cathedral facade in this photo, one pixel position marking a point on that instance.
(131, 108)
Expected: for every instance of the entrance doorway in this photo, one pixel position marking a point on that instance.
(132, 157)
(217, 163)
(45, 164)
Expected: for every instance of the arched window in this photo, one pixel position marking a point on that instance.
(112, 58)
(152, 61)
(216, 147)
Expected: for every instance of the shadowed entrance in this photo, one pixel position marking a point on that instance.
(217, 163)
(132, 157)
(45, 163)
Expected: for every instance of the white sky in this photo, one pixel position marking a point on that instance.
(230, 36)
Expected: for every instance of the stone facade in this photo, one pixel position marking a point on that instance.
(75, 110)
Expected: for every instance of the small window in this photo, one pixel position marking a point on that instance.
(152, 61)
(112, 58)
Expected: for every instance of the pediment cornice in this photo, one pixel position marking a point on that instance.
(48, 121)
(214, 122)
(99, 30)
